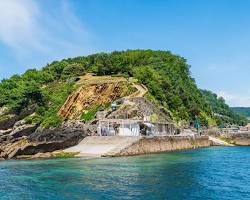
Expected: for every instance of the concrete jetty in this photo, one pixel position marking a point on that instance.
(219, 142)
(103, 146)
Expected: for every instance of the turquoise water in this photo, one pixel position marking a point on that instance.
(210, 173)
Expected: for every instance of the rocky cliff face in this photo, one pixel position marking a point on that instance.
(18, 136)
(91, 95)
(30, 139)
(139, 108)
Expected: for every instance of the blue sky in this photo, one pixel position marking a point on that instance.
(213, 35)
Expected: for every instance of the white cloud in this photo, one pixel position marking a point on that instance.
(26, 28)
(17, 23)
(235, 100)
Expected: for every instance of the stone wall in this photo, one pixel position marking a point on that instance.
(242, 142)
(235, 138)
(148, 145)
(240, 139)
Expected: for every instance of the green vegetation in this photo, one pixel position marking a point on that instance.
(228, 140)
(223, 114)
(41, 89)
(53, 155)
(55, 94)
(64, 154)
(166, 76)
(4, 117)
(130, 90)
(24, 157)
(154, 117)
(23, 142)
(242, 111)
(90, 114)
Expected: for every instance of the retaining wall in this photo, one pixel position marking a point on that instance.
(147, 145)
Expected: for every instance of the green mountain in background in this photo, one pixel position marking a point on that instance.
(242, 111)
(167, 77)
(222, 113)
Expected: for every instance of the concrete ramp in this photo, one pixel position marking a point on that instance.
(218, 142)
(98, 146)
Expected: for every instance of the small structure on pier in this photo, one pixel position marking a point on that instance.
(134, 116)
(129, 127)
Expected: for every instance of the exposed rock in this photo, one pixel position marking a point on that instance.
(19, 123)
(241, 139)
(3, 111)
(3, 138)
(27, 111)
(5, 132)
(12, 139)
(41, 155)
(101, 114)
(23, 130)
(57, 135)
(150, 109)
(139, 108)
(7, 121)
(235, 138)
(20, 129)
(45, 140)
(92, 93)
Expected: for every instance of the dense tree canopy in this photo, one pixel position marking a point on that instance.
(242, 110)
(221, 111)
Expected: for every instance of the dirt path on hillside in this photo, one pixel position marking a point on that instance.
(141, 90)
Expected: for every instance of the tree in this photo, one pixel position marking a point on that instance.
(73, 70)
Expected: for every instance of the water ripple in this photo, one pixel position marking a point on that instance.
(209, 173)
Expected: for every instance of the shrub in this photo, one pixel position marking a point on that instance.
(90, 114)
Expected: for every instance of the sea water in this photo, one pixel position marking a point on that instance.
(208, 173)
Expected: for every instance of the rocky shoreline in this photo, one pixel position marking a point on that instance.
(234, 138)
(22, 140)
(28, 139)
(238, 139)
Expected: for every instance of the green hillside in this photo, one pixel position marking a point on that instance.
(242, 111)
(223, 114)
(166, 75)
